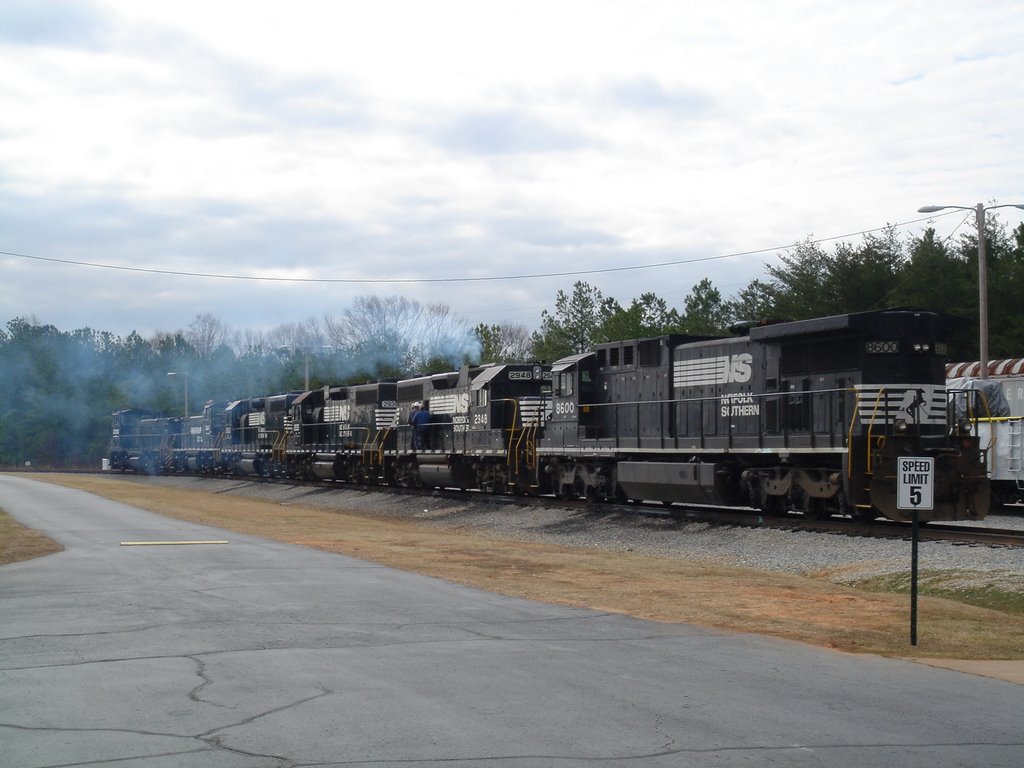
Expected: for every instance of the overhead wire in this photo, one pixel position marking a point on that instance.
(463, 279)
(884, 299)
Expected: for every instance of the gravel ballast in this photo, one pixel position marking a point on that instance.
(840, 558)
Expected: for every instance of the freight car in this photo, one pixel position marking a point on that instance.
(997, 412)
(809, 415)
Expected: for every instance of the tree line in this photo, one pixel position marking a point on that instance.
(59, 388)
(884, 270)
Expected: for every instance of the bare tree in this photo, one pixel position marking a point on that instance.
(307, 336)
(445, 339)
(396, 334)
(504, 343)
(206, 333)
(250, 342)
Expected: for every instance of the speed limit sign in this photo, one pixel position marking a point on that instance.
(915, 487)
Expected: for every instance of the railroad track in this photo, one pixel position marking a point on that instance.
(888, 529)
(1001, 537)
(882, 529)
(751, 518)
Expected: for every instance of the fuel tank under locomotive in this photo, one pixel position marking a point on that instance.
(444, 471)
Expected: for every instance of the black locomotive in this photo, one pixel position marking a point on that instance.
(809, 415)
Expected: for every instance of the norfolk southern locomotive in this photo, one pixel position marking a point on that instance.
(808, 416)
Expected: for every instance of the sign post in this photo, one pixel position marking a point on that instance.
(915, 490)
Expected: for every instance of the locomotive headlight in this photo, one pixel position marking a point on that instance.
(901, 426)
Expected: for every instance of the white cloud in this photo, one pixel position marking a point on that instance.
(410, 139)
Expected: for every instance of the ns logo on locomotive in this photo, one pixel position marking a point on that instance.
(810, 416)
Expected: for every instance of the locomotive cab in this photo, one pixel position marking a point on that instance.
(125, 436)
(888, 370)
(503, 399)
(571, 415)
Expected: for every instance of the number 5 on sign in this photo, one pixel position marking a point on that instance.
(915, 487)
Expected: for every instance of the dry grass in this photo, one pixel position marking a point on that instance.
(19, 543)
(809, 610)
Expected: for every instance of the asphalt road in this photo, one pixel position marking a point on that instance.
(255, 653)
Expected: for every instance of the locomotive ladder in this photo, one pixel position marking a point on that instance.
(868, 443)
(871, 426)
(217, 445)
(1016, 454)
(278, 452)
(373, 447)
(522, 444)
(166, 456)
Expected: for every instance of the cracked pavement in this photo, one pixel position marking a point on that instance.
(257, 653)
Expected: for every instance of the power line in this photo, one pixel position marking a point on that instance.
(906, 278)
(410, 280)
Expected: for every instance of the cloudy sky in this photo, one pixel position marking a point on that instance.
(447, 151)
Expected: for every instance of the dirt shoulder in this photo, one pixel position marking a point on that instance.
(788, 606)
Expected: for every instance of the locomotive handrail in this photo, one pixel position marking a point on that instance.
(871, 428)
(849, 435)
(166, 451)
(765, 430)
(530, 450)
(383, 441)
(970, 406)
(850, 442)
(992, 436)
(279, 449)
(515, 436)
(975, 420)
(512, 435)
(374, 448)
(367, 447)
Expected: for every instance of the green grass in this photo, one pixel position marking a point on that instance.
(997, 590)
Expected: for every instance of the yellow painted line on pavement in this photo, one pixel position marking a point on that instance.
(165, 543)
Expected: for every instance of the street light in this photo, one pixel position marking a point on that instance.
(979, 222)
(306, 352)
(185, 374)
(287, 348)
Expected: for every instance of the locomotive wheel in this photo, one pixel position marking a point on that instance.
(773, 506)
(864, 516)
(813, 508)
